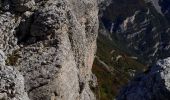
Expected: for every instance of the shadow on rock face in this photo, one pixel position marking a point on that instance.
(17, 5)
(165, 7)
(32, 29)
(153, 85)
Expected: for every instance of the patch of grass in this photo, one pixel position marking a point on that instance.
(12, 59)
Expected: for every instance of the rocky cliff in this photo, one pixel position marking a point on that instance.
(49, 47)
(151, 85)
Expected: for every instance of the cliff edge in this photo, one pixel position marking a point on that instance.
(49, 47)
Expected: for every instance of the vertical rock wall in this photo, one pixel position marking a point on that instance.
(52, 45)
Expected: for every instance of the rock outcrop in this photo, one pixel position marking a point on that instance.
(11, 82)
(50, 47)
(152, 85)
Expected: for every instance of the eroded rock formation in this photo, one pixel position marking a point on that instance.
(50, 47)
(11, 82)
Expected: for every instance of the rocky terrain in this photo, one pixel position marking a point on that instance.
(47, 49)
(152, 85)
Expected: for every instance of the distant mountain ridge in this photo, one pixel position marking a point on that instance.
(140, 27)
(133, 35)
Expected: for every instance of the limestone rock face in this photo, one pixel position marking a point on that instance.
(17, 5)
(50, 45)
(153, 85)
(8, 23)
(22, 5)
(2, 58)
(11, 82)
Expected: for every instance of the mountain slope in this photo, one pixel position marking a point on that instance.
(113, 69)
(133, 34)
(140, 27)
